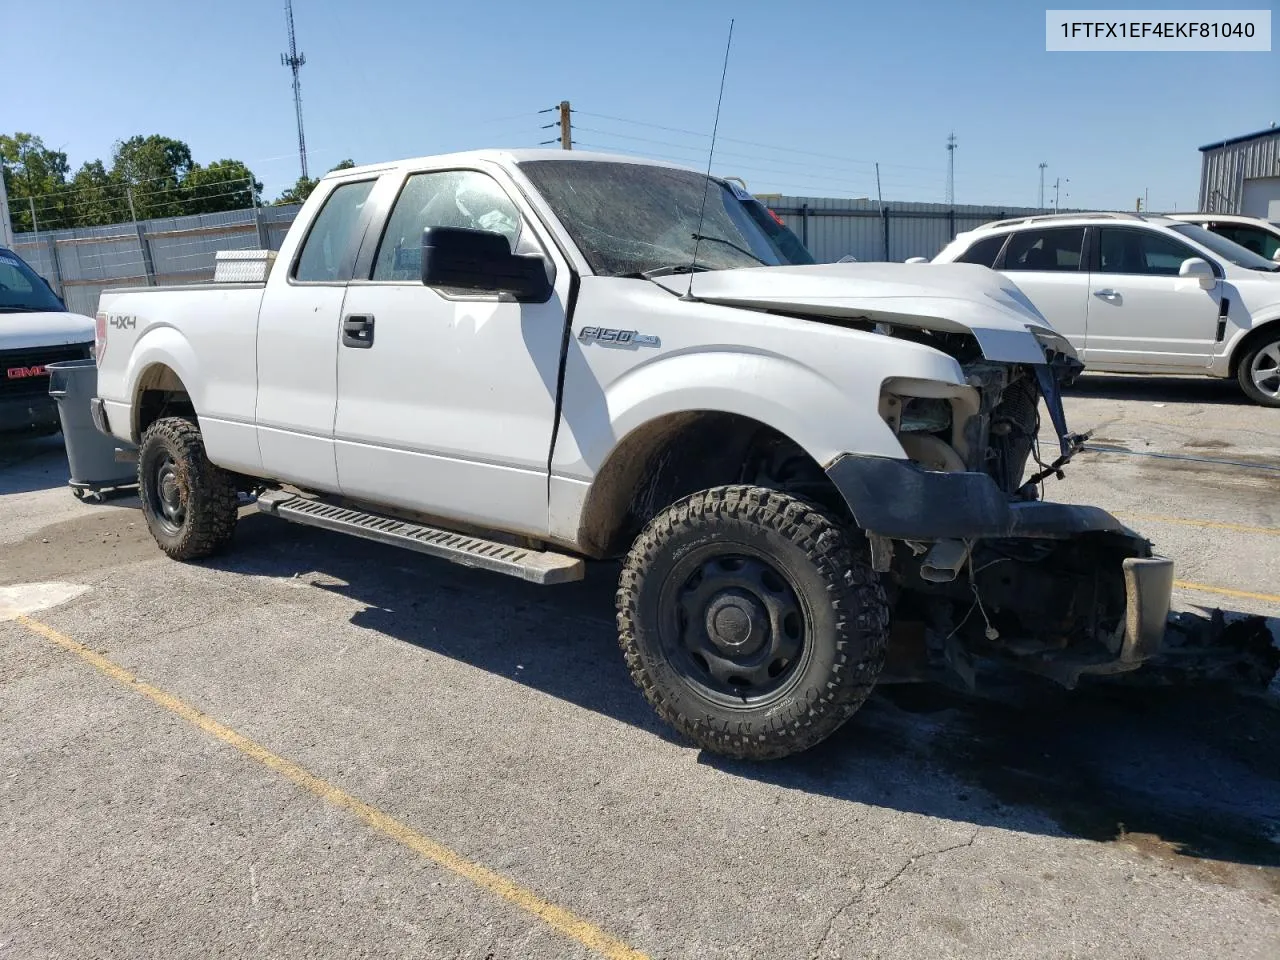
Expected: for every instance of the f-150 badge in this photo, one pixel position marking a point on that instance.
(617, 338)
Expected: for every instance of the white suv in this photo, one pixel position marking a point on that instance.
(1143, 294)
(1252, 233)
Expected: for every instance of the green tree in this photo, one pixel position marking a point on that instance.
(153, 169)
(299, 192)
(222, 185)
(156, 172)
(34, 172)
(98, 198)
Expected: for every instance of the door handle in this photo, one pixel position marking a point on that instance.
(1107, 294)
(357, 331)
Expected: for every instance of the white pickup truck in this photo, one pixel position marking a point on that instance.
(519, 360)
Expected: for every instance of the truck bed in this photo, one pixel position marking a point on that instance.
(196, 337)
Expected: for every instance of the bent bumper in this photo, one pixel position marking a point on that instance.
(899, 500)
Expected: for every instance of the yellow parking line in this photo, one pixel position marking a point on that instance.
(1186, 522)
(559, 919)
(1226, 591)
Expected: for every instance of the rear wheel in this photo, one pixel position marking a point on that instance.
(750, 621)
(1259, 372)
(190, 504)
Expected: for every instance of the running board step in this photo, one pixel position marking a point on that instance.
(536, 566)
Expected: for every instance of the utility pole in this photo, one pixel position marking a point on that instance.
(951, 169)
(566, 126)
(6, 222)
(1042, 166)
(563, 120)
(294, 61)
(1056, 184)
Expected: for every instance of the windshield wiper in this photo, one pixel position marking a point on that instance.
(22, 308)
(732, 245)
(664, 271)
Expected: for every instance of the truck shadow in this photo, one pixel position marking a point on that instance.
(28, 464)
(1159, 389)
(1191, 776)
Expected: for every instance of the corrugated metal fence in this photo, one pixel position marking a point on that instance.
(832, 229)
(80, 262)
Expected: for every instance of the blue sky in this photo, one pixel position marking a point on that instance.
(821, 90)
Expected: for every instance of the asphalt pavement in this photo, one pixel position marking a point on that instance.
(319, 747)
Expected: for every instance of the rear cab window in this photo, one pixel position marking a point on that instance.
(328, 253)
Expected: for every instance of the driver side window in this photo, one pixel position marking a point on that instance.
(1126, 250)
(450, 198)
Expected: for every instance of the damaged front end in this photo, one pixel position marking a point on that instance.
(977, 565)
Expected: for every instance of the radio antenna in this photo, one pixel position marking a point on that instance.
(706, 186)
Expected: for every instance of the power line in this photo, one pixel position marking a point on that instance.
(763, 166)
(116, 191)
(770, 146)
(751, 158)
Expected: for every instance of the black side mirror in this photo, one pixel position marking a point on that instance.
(481, 260)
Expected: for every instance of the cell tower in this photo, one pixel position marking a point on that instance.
(951, 168)
(294, 61)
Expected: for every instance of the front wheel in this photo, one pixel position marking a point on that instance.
(1259, 372)
(190, 504)
(750, 621)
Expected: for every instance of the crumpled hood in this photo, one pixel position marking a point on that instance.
(22, 331)
(950, 297)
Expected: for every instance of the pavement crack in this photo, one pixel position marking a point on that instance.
(831, 922)
(857, 895)
(916, 858)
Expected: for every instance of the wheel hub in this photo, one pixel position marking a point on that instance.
(736, 623)
(1266, 370)
(741, 624)
(169, 498)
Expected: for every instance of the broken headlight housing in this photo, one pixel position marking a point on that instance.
(924, 415)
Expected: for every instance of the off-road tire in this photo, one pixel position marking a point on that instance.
(208, 492)
(832, 576)
(1244, 373)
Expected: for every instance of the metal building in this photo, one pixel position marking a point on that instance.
(1242, 175)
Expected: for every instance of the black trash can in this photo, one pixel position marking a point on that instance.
(90, 454)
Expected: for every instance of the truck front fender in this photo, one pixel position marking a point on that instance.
(823, 418)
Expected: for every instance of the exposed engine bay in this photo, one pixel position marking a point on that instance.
(1053, 604)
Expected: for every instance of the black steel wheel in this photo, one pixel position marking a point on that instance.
(751, 621)
(190, 505)
(736, 622)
